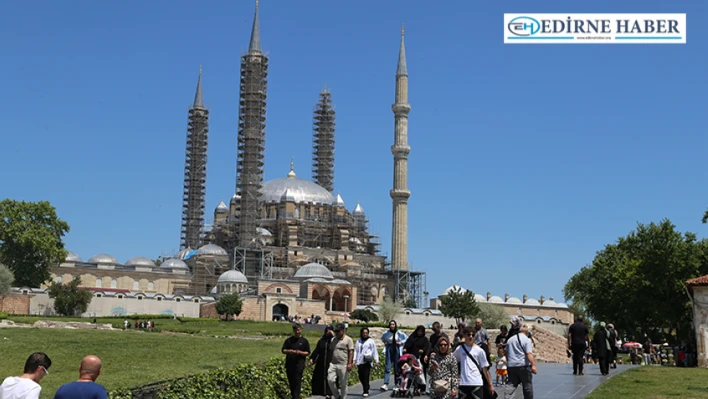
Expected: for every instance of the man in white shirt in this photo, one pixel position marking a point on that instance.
(471, 382)
(27, 386)
(521, 364)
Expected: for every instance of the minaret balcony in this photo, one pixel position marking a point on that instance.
(400, 194)
(400, 151)
(401, 109)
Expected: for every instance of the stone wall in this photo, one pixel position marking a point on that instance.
(114, 306)
(15, 304)
(260, 308)
(700, 322)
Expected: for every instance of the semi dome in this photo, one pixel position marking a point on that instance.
(103, 259)
(232, 276)
(173, 263)
(140, 261)
(311, 270)
(72, 257)
(496, 299)
(182, 255)
(211, 249)
(298, 191)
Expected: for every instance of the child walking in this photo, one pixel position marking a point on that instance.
(501, 366)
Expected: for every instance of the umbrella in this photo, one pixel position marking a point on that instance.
(632, 345)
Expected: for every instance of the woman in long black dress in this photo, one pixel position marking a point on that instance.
(321, 358)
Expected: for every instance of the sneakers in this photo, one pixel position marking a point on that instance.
(366, 395)
(384, 387)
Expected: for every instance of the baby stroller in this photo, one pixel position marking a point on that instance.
(407, 387)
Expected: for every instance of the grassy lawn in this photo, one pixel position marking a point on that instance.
(132, 358)
(653, 382)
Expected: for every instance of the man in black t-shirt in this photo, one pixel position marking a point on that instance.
(500, 340)
(578, 335)
(296, 350)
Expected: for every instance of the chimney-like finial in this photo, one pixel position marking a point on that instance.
(292, 174)
(198, 99)
(402, 68)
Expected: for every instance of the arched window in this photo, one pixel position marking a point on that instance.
(136, 285)
(99, 283)
(151, 286)
(114, 283)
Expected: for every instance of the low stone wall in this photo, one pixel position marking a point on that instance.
(548, 346)
(71, 325)
(15, 304)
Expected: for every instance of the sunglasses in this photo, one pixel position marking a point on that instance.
(444, 345)
(46, 372)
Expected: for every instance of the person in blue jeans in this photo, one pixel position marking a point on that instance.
(85, 387)
(393, 349)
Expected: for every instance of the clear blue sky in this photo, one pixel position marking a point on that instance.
(526, 159)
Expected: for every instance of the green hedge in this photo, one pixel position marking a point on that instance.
(246, 381)
(3, 315)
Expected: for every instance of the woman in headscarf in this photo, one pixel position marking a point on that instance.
(418, 345)
(602, 348)
(321, 356)
(365, 355)
(444, 372)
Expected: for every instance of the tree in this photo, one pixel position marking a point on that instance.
(388, 309)
(409, 302)
(31, 240)
(492, 315)
(459, 304)
(69, 299)
(364, 315)
(6, 279)
(229, 304)
(637, 283)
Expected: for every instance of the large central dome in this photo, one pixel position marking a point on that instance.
(299, 191)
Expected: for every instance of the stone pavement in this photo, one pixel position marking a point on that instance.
(553, 381)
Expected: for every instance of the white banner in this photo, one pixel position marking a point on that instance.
(594, 28)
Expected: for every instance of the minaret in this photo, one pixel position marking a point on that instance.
(195, 171)
(251, 135)
(323, 124)
(400, 150)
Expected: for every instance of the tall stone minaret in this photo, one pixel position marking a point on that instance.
(251, 135)
(323, 124)
(400, 150)
(195, 172)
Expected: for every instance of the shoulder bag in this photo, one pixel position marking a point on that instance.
(486, 385)
(440, 386)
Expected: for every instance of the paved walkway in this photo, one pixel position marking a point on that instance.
(553, 381)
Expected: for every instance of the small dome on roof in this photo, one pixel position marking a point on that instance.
(182, 255)
(173, 263)
(514, 299)
(311, 270)
(294, 189)
(222, 208)
(103, 259)
(496, 299)
(140, 261)
(532, 302)
(358, 210)
(339, 201)
(454, 287)
(550, 302)
(211, 249)
(479, 298)
(263, 232)
(236, 198)
(232, 276)
(72, 257)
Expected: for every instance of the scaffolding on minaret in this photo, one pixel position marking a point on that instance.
(251, 136)
(193, 200)
(248, 255)
(323, 125)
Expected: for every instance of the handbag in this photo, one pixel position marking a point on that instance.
(440, 386)
(488, 394)
(368, 358)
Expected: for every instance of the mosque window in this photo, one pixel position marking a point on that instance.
(120, 296)
(308, 213)
(99, 283)
(295, 253)
(140, 298)
(114, 283)
(278, 290)
(98, 295)
(196, 300)
(159, 298)
(151, 286)
(178, 300)
(136, 285)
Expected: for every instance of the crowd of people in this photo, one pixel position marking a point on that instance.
(26, 386)
(443, 367)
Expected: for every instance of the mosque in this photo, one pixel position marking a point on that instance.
(289, 245)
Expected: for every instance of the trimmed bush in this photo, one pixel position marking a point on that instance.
(3, 315)
(246, 381)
